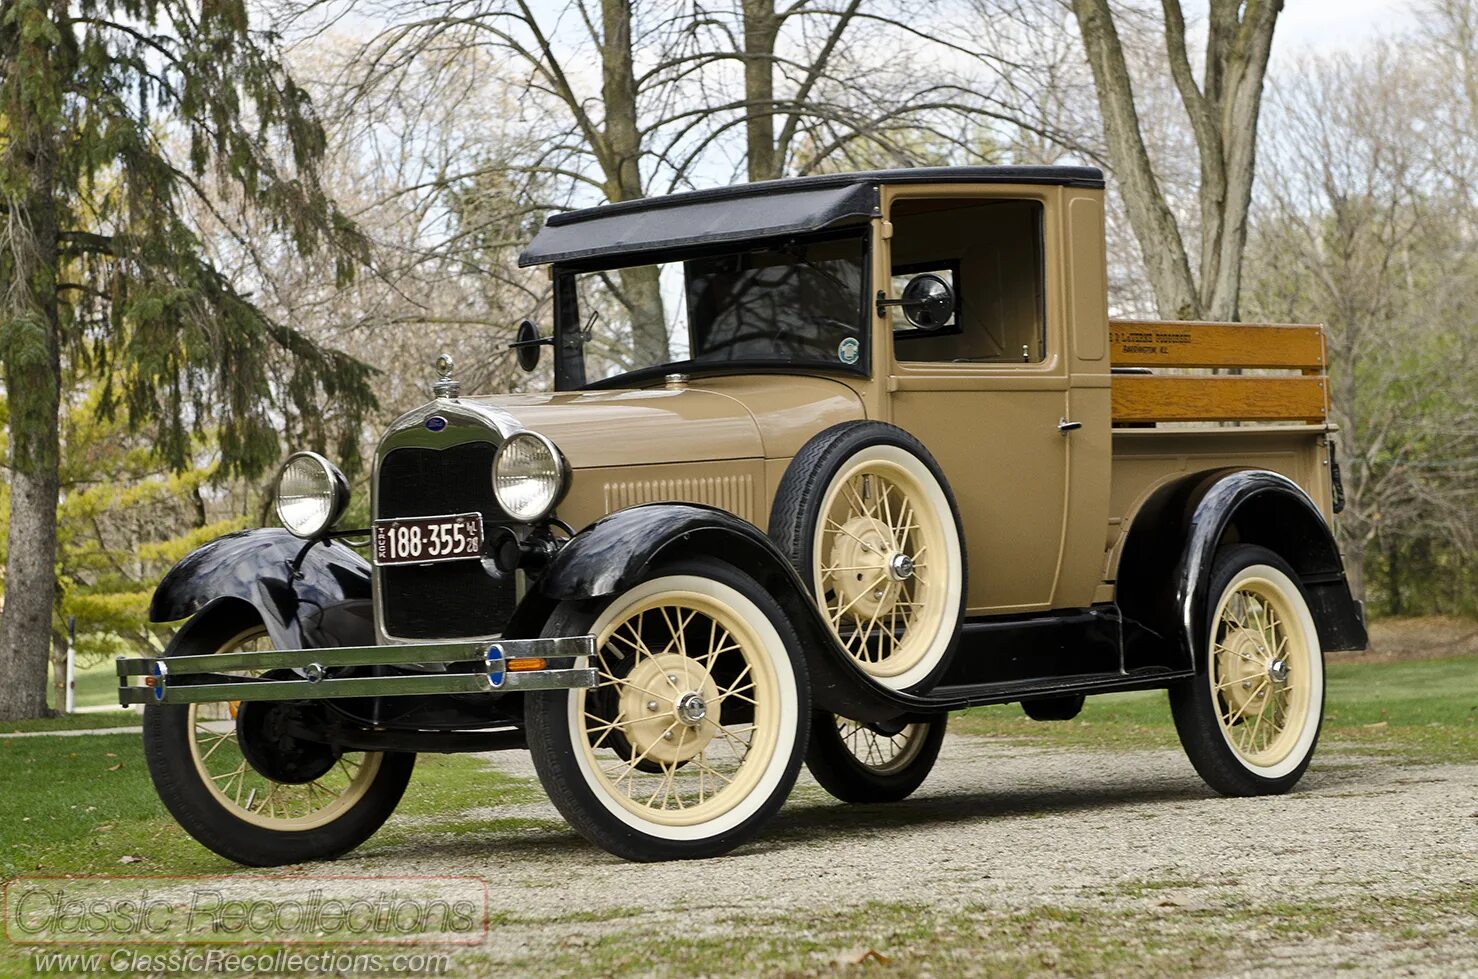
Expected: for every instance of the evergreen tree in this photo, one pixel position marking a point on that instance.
(113, 115)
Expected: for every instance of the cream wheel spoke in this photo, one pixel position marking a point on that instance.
(254, 797)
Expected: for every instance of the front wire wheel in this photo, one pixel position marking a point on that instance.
(324, 783)
(1250, 720)
(243, 786)
(692, 738)
(863, 762)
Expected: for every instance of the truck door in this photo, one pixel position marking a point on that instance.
(986, 390)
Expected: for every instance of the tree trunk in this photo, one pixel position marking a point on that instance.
(1154, 225)
(1236, 91)
(761, 28)
(1223, 112)
(32, 371)
(1395, 600)
(621, 160)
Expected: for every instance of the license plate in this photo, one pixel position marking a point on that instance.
(426, 540)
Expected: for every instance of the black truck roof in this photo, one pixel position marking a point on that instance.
(767, 209)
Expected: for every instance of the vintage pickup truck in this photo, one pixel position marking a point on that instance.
(825, 459)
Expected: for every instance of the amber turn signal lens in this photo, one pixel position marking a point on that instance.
(527, 663)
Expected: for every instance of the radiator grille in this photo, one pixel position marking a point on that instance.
(732, 493)
(456, 598)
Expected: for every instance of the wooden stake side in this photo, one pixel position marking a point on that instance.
(1135, 343)
(1183, 398)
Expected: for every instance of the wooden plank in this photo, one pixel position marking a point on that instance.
(1189, 398)
(1137, 343)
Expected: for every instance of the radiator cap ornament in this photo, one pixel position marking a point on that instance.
(445, 387)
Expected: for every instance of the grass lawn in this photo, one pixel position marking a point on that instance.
(1420, 711)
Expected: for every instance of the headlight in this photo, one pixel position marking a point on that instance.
(311, 494)
(529, 476)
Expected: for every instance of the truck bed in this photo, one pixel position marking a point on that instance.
(1188, 397)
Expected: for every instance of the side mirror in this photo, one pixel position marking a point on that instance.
(928, 302)
(526, 344)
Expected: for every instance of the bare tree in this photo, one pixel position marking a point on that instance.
(1222, 110)
(1360, 232)
(767, 152)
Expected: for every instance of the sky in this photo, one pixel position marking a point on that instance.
(1334, 24)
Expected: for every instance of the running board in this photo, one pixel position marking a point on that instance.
(952, 698)
(468, 667)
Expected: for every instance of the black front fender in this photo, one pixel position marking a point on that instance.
(1164, 577)
(308, 594)
(615, 552)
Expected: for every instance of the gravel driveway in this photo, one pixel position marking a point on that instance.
(1010, 859)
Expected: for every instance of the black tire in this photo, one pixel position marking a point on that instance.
(834, 762)
(797, 510)
(168, 749)
(575, 776)
(1202, 714)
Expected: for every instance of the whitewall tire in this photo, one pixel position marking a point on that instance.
(1249, 720)
(692, 738)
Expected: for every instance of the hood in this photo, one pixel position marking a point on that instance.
(639, 427)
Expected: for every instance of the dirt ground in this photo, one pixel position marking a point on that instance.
(1011, 860)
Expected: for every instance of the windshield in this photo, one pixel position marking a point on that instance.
(791, 305)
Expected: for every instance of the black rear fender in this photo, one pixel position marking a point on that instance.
(1164, 574)
(308, 595)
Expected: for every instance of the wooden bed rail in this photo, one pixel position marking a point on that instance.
(1180, 397)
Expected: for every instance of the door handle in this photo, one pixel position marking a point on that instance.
(1064, 426)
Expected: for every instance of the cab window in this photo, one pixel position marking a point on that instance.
(990, 254)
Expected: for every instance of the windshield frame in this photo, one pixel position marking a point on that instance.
(569, 359)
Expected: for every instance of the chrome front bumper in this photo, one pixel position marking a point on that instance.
(499, 666)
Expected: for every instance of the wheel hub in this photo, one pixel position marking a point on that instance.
(1278, 671)
(261, 733)
(1245, 673)
(870, 568)
(669, 708)
(691, 709)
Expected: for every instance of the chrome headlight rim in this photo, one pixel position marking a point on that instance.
(560, 474)
(337, 496)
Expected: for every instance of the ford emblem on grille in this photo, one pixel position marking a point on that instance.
(436, 423)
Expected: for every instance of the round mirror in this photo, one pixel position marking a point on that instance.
(526, 344)
(928, 302)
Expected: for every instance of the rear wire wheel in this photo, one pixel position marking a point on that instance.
(1249, 720)
(864, 762)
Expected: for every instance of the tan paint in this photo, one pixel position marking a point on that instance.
(992, 426)
(736, 485)
(788, 409)
(638, 427)
(1146, 459)
(702, 442)
(1090, 461)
